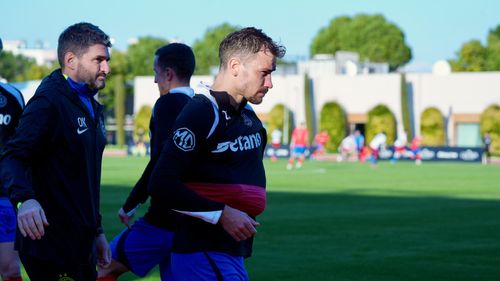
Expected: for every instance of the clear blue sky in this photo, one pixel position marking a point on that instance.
(434, 29)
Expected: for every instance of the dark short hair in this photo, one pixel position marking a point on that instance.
(248, 41)
(78, 38)
(179, 57)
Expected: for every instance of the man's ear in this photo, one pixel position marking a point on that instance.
(169, 72)
(234, 65)
(70, 60)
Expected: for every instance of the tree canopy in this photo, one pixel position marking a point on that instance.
(372, 36)
(141, 55)
(206, 50)
(473, 56)
(17, 68)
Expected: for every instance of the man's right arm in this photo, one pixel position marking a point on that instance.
(165, 113)
(29, 141)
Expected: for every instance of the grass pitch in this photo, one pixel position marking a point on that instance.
(347, 221)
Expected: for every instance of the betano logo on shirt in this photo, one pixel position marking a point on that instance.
(241, 143)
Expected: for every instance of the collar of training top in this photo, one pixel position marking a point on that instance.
(223, 101)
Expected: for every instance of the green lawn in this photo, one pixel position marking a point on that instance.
(331, 221)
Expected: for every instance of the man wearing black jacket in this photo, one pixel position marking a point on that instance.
(52, 164)
(11, 108)
(210, 169)
(148, 242)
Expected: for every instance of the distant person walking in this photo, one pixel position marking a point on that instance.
(415, 149)
(376, 145)
(399, 147)
(360, 143)
(275, 142)
(320, 139)
(487, 148)
(298, 145)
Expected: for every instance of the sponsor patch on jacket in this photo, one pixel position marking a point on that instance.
(184, 139)
(241, 143)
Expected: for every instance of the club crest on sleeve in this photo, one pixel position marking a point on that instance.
(184, 139)
(3, 101)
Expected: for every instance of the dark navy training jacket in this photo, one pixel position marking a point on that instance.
(11, 108)
(213, 158)
(55, 157)
(165, 111)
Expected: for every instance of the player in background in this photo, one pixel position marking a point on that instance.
(275, 142)
(148, 242)
(486, 148)
(347, 148)
(320, 139)
(376, 145)
(298, 145)
(360, 145)
(415, 149)
(399, 147)
(11, 108)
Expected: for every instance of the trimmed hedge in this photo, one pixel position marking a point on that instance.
(432, 127)
(381, 119)
(141, 122)
(490, 122)
(333, 121)
(276, 119)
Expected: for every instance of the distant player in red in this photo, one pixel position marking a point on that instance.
(321, 139)
(415, 149)
(300, 137)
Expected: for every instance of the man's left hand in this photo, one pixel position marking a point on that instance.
(103, 251)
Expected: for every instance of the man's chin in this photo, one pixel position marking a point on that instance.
(256, 101)
(99, 85)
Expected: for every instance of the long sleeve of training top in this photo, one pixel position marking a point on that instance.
(186, 144)
(165, 112)
(36, 130)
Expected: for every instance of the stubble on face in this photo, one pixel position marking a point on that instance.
(90, 67)
(256, 69)
(94, 81)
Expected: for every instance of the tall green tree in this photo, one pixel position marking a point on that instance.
(15, 68)
(206, 50)
(141, 55)
(120, 66)
(309, 107)
(474, 56)
(405, 108)
(372, 36)
(493, 49)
